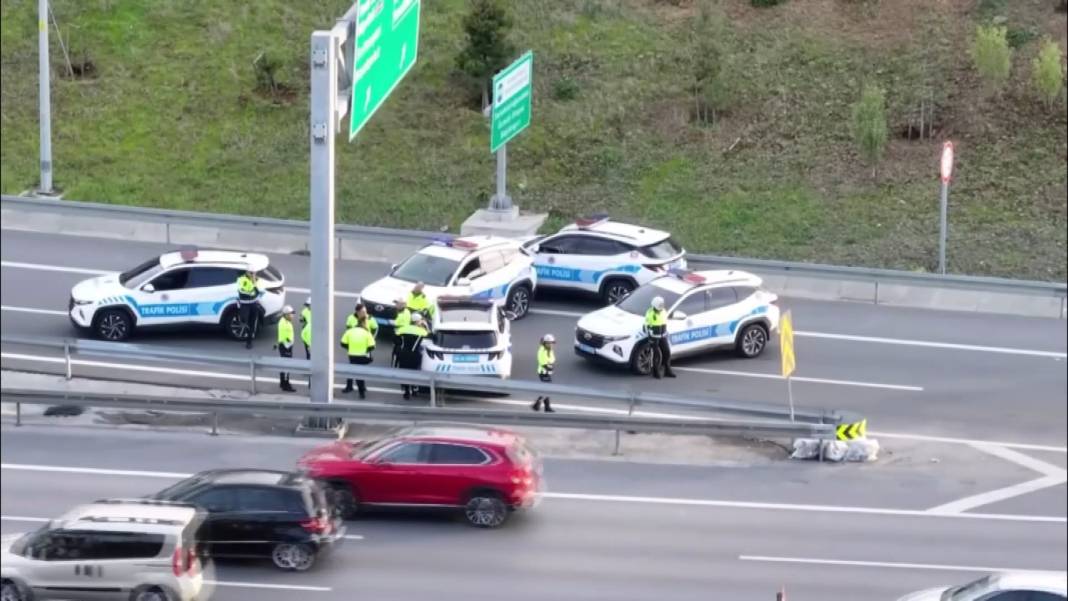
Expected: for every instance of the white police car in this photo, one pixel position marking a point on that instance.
(706, 310)
(182, 287)
(599, 256)
(479, 267)
(469, 337)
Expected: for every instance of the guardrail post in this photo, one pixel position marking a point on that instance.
(252, 374)
(214, 423)
(66, 358)
(433, 392)
(18, 413)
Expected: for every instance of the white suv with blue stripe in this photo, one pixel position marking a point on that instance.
(469, 337)
(174, 289)
(706, 310)
(599, 256)
(478, 267)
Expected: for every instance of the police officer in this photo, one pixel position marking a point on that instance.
(417, 301)
(248, 296)
(360, 312)
(359, 343)
(656, 329)
(546, 363)
(285, 345)
(404, 314)
(305, 329)
(408, 353)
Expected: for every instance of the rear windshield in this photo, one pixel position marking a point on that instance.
(431, 270)
(179, 490)
(269, 273)
(665, 249)
(465, 340)
(140, 270)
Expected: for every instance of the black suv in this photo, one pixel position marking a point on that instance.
(261, 513)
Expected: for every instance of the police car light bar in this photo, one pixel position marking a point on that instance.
(442, 240)
(188, 253)
(688, 276)
(464, 243)
(592, 220)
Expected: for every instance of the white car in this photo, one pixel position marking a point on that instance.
(603, 257)
(182, 287)
(1006, 586)
(469, 337)
(480, 267)
(111, 550)
(706, 310)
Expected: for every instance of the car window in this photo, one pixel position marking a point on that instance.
(721, 297)
(744, 292)
(464, 340)
(138, 272)
(275, 500)
(508, 255)
(61, 545)
(590, 245)
(693, 304)
(469, 268)
(123, 545)
(431, 270)
(267, 273)
(454, 454)
(492, 261)
(1007, 596)
(174, 279)
(406, 452)
(560, 245)
(639, 301)
(203, 277)
(1040, 596)
(218, 499)
(665, 249)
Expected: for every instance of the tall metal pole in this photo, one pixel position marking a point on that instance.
(324, 70)
(44, 95)
(943, 228)
(501, 201)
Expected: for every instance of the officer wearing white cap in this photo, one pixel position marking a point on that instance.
(408, 353)
(546, 363)
(656, 329)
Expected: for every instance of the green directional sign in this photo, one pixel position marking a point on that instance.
(511, 101)
(386, 45)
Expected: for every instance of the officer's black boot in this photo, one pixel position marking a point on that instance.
(548, 407)
(537, 404)
(407, 393)
(348, 386)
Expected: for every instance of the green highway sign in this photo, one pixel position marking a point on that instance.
(386, 45)
(511, 101)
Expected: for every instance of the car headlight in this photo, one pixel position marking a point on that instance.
(616, 338)
(82, 302)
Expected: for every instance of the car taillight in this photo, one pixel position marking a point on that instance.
(318, 525)
(184, 561)
(522, 477)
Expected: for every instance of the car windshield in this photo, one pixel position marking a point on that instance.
(639, 301)
(465, 340)
(665, 249)
(968, 591)
(269, 273)
(136, 272)
(370, 446)
(179, 489)
(19, 546)
(431, 270)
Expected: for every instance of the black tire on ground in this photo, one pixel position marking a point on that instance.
(751, 340)
(293, 557)
(641, 358)
(485, 509)
(232, 325)
(616, 289)
(113, 324)
(13, 591)
(519, 298)
(151, 593)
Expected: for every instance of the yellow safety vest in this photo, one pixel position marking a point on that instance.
(404, 318)
(305, 333)
(358, 341)
(285, 332)
(546, 357)
(372, 325)
(410, 329)
(421, 304)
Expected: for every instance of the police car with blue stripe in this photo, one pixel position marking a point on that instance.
(480, 267)
(706, 310)
(596, 255)
(176, 289)
(470, 337)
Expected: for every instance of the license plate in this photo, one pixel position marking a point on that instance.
(465, 358)
(587, 349)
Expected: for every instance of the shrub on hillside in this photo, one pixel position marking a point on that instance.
(869, 125)
(992, 56)
(487, 49)
(1047, 74)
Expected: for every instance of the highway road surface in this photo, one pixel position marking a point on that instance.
(941, 374)
(606, 530)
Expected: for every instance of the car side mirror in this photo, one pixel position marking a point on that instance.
(678, 315)
(149, 288)
(463, 282)
(535, 248)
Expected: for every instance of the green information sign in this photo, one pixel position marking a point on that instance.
(511, 101)
(386, 45)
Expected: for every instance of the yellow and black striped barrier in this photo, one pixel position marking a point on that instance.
(852, 431)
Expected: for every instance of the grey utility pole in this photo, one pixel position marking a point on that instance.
(44, 95)
(501, 202)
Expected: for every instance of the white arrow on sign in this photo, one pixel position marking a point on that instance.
(367, 99)
(404, 52)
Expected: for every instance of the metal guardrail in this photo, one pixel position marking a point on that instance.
(437, 383)
(382, 412)
(164, 216)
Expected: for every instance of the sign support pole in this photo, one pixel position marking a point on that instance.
(44, 81)
(501, 201)
(790, 394)
(944, 225)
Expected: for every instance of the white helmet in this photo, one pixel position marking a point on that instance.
(287, 310)
(307, 301)
(548, 339)
(658, 303)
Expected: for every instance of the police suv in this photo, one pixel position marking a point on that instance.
(479, 267)
(469, 337)
(175, 288)
(706, 310)
(604, 257)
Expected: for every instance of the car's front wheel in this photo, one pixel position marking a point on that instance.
(295, 557)
(232, 324)
(616, 290)
(751, 341)
(485, 510)
(11, 591)
(113, 324)
(518, 302)
(150, 593)
(641, 360)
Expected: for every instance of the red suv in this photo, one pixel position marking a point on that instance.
(486, 472)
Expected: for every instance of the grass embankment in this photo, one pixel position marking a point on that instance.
(171, 117)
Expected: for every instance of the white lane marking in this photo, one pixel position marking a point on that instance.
(619, 498)
(32, 310)
(278, 587)
(930, 344)
(802, 507)
(562, 313)
(21, 518)
(748, 374)
(887, 564)
(1052, 475)
(353, 537)
(950, 440)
